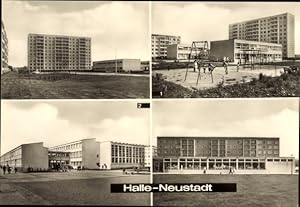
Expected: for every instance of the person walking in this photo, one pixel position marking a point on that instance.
(4, 169)
(238, 66)
(195, 65)
(225, 65)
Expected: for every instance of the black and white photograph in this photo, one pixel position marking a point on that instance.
(75, 50)
(225, 49)
(69, 152)
(150, 103)
(254, 144)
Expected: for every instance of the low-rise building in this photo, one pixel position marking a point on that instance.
(27, 157)
(245, 51)
(215, 155)
(115, 155)
(83, 153)
(183, 51)
(117, 65)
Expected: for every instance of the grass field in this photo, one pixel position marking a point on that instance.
(252, 191)
(20, 86)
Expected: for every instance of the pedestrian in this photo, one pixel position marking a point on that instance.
(4, 169)
(225, 67)
(204, 171)
(195, 65)
(124, 171)
(8, 169)
(238, 66)
(16, 169)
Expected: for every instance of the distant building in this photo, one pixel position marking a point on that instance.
(83, 153)
(149, 155)
(278, 29)
(145, 65)
(215, 155)
(245, 51)
(182, 51)
(159, 44)
(58, 53)
(27, 157)
(115, 155)
(119, 65)
(4, 48)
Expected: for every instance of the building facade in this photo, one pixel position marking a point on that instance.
(150, 151)
(219, 154)
(115, 155)
(245, 51)
(58, 53)
(4, 48)
(117, 65)
(159, 44)
(83, 153)
(182, 51)
(278, 29)
(27, 157)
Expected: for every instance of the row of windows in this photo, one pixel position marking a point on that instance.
(68, 147)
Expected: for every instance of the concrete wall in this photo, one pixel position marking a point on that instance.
(105, 155)
(90, 148)
(221, 49)
(132, 65)
(34, 156)
(172, 51)
(290, 50)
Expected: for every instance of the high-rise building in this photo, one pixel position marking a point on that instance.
(4, 48)
(218, 154)
(159, 44)
(278, 29)
(60, 53)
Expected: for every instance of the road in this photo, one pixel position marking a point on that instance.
(71, 188)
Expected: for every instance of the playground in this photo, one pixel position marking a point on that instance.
(218, 76)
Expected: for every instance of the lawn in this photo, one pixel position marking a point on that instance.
(252, 190)
(21, 86)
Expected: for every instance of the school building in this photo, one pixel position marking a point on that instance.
(117, 65)
(215, 155)
(245, 51)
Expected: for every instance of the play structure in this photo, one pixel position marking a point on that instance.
(199, 54)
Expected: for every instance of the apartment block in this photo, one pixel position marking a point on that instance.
(4, 48)
(159, 44)
(278, 29)
(245, 51)
(58, 53)
(117, 65)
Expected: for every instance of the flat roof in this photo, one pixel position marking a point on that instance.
(249, 41)
(215, 137)
(53, 35)
(68, 143)
(161, 35)
(21, 146)
(99, 61)
(266, 17)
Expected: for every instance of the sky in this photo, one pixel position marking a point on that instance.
(199, 21)
(59, 122)
(270, 117)
(117, 29)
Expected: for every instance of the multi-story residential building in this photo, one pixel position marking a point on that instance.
(83, 153)
(4, 48)
(150, 151)
(159, 44)
(118, 65)
(216, 154)
(27, 157)
(183, 51)
(115, 155)
(58, 53)
(245, 51)
(279, 29)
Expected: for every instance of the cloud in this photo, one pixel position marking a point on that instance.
(207, 21)
(284, 124)
(117, 28)
(41, 123)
